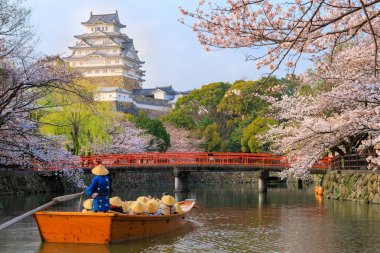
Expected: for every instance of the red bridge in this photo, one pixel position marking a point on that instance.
(197, 160)
(183, 163)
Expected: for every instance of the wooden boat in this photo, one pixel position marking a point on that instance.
(104, 228)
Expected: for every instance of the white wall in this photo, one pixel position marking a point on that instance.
(113, 96)
(159, 94)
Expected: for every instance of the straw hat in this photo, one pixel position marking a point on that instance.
(168, 200)
(138, 207)
(100, 170)
(126, 206)
(116, 201)
(87, 204)
(178, 208)
(142, 199)
(152, 206)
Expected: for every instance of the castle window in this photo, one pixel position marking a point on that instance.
(114, 50)
(97, 71)
(112, 70)
(92, 28)
(81, 63)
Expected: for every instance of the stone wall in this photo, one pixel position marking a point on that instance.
(222, 177)
(29, 183)
(115, 81)
(363, 186)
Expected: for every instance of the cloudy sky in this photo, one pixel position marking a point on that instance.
(170, 50)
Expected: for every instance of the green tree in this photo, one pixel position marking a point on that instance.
(250, 141)
(212, 137)
(191, 110)
(154, 127)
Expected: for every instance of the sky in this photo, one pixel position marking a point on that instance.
(170, 50)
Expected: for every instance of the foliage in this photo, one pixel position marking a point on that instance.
(342, 119)
(212, 137)
(183, 140)
(155, 128)
(229, 110)
(25, 78)
(198, 107)
(287, 30)
(125, 138)
(250, 140)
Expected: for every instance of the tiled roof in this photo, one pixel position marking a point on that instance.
(105, 18)
(149, 92)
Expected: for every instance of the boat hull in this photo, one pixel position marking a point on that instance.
(104, 228)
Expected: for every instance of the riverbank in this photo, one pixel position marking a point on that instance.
(354, 185)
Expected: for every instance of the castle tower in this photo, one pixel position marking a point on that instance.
(105, 55)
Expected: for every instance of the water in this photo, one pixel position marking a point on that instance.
(230, 218)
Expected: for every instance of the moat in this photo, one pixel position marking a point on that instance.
(230, 218)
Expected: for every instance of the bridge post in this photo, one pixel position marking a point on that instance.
(180, 180)
(262, 199)
(299, 183)
(263, 179)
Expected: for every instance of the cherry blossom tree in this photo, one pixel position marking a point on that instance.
(287, 30)
(343, 119)
(125, 138)
(24, 79)
(182, 140)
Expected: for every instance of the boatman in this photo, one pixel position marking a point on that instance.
(99, 189)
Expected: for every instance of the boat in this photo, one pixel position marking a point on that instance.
(105, 228)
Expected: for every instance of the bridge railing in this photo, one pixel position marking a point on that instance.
(201, 158)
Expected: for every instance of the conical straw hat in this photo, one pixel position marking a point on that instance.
(168, 200)
(152, 206)
(100, 170)
(126, 205)
(142, 199)
(178, 208)
(116, 201)
(87, 204)
(138, 207)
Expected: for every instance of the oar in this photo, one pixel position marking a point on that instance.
(49, 204)
(80, 201)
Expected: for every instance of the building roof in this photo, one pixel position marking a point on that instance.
(149, 92)
(104, 18)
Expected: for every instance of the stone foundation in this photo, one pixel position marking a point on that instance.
(222, 177)
(115, 81)
(363, 186)
(13, 183)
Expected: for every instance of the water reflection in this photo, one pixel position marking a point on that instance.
(230, 218)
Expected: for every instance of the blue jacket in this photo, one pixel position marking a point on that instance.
(100, 185)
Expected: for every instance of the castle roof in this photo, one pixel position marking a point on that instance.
(104, 18)
(148, 92)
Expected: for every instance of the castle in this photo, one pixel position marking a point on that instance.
(108, 58)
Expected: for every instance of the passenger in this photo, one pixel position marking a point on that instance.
(116, 204)
(152, 207)
(99, 189)
(126, 206)
(149, 197)
(178, 208)
(142, 199)
(87, 206)
(138, 208)
(167, 206)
